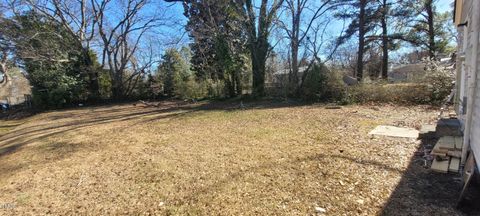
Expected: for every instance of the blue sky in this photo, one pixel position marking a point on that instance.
(174, 35)
(444, 5)
(334, 27)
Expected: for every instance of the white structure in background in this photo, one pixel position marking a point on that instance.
(14, 92)
(281, 76)
(414, 72)
(467, 20)
(406, 72)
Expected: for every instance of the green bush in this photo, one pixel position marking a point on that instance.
(55, 63)
(322, 84)
(104, 84)
(55, 89)
(191, 89)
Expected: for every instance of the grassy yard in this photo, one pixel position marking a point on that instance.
(7, 126)
(269, 158)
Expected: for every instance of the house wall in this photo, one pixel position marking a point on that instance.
(15, 90)
(407, 73)
(468, 69)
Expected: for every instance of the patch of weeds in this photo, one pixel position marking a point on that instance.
(23, 199)
(368, 123)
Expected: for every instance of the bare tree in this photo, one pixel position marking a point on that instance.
(121, 39)
(258, 22)
(302, 17)
(258, 32)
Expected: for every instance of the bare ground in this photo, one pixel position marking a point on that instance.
(269, 158)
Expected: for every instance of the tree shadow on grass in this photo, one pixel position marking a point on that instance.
(43, 155)
(15, 139)
(420, 191)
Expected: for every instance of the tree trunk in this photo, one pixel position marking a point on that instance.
(230, 85)
(117, 92)
(258, 33)
(431, 28)
(294, 75)
(91, 72)
(238, 82)
(3, 70)
(361, 39)
(259, 56)
(258, 69)
(294, 82)
(117, 87)
(384, 41)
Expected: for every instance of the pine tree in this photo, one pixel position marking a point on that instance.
(364, 16)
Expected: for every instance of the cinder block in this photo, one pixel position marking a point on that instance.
(448, 127)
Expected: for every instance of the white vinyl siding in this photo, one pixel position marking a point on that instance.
(475, 131)
(468, 78)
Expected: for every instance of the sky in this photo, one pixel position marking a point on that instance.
(175, 35)
(444, 5)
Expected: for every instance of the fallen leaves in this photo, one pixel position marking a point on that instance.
(268, 158)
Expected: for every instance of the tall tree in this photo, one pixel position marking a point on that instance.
(384, 12)
(257, 23)
(218, 41)
(429, 29)
(48, 54)
(429, 16)
(387, 16)
(302, 15)
(120, 40)
(172, 71)
(258, 31)
(363, 15)
(7, 48)
(361, 37)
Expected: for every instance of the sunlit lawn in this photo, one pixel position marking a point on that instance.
(269, 158)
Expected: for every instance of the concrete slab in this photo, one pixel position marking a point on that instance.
(385, 130)
(428, 132)
(427, 128)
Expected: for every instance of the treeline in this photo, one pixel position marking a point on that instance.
(76, 51)
(92, 50)
(234, 38)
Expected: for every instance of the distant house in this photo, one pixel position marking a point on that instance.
(406, 73)
(14, 91)
(467, 20)
(281, 76)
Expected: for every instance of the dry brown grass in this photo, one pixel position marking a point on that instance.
(206, 159)
(8, 125)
